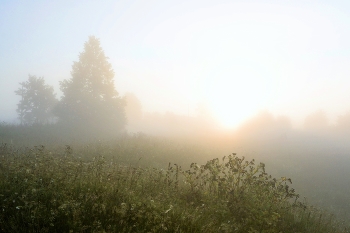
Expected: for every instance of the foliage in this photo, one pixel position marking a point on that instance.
(89, 97)
(91, 190)
(343, 123)
(133, 108)
(37, 101)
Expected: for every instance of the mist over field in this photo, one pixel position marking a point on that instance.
(148, 83)
(315, 155)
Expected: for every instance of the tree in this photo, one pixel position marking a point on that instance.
(89, 97)
(317, 121)
(343, 123)
(133, 108)
(37, 101)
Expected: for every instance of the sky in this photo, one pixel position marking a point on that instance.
(236, 58)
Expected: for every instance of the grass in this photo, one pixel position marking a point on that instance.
(130, 186)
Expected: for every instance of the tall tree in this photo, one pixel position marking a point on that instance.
(89, 97)
(37, 101)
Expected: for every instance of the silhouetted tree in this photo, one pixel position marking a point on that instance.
(37, 101)
(316, 121)
(343, 123)
(264, 127)
(89, 97)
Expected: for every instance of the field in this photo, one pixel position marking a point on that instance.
(140, 183)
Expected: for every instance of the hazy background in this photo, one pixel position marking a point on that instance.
(231, 58)
(278, 72)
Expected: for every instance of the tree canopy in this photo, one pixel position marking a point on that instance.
(37, 101)
(89, 97)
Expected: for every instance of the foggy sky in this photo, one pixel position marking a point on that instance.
(235, 57)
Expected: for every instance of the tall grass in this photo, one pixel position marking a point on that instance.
(99, 188)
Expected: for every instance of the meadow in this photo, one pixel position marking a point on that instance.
(141, 183)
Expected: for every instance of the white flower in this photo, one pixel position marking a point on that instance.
(171, 207)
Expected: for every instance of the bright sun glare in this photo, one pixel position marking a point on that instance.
(236, 63)
(237, 93)
(230, 114)
(237, 74)
(228, 119)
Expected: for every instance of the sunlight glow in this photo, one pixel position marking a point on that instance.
(232, 107)
(237, 59)
(231, 118)
(233, 72)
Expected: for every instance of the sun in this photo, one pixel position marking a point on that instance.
(231, 107)
(231, 116)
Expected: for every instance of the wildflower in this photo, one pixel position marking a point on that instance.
(171, 207)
